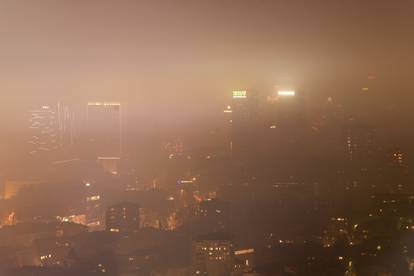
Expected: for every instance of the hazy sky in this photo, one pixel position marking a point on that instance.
(183, 57)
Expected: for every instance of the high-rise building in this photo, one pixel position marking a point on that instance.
(50, 128)
(269, 136)
(284, 135)
(213, 254)
(245, 126)
(285, 115)
(104, 133)
(65, 124)
(123, 218)
(43, 130)
(395, 172)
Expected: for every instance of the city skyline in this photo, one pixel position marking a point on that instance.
(206, 138)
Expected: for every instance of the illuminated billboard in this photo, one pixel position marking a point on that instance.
(239, 94)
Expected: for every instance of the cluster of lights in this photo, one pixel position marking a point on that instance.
(93, 198)
(45, 257)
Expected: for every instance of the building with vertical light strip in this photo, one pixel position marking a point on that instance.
(104, 133)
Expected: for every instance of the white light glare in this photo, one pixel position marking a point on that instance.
(286, 93)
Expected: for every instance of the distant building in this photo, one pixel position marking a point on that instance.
(214, 215)
(337, 230)
(284, 135)
(359, 142)
(269, 135)
(393, 204)
(93, 212)
(213, 254)
(104, 134)
(245, 108)
(396, 172)
(51, 127)
(244, 261)
(123, 217)
(398, 159)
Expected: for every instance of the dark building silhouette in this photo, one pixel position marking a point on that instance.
(214, 215)
(245, 125)
(123, 217)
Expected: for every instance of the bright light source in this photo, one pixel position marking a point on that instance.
(244, 251)
(239, 94)
(286, 93)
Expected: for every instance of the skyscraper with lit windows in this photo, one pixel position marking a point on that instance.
(51, 127)
(43, 130)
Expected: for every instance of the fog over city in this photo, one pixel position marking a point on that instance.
(206, 137)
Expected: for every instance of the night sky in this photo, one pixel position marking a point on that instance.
(168, 59)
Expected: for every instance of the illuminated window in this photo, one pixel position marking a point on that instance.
(239, 94)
